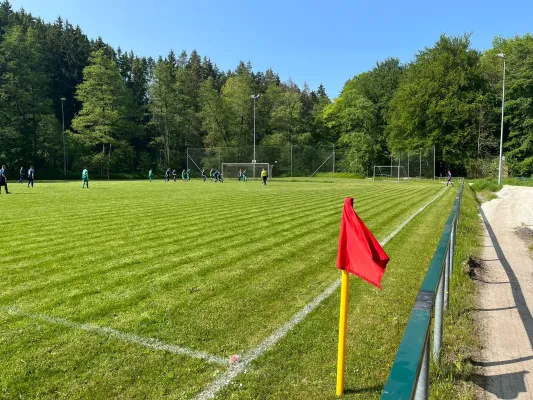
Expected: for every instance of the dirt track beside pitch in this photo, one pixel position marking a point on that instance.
(505, 297)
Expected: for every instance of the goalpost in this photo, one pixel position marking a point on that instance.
(390, 173)
(231, 170)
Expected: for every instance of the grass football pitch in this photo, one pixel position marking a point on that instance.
(145, 290)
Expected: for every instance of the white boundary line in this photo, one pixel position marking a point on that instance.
(225, 379)
(126, 337)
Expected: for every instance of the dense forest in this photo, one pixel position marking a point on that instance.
(131, 113)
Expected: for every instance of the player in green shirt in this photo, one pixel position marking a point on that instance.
(211, 174)
(244, 175)
(189, 175)
(85, 177)
(183, 173)
(150, 175)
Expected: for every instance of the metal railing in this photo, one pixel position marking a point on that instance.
(409, 376)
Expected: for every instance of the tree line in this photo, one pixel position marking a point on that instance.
(129, 113)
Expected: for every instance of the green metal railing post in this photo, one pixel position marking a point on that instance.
(422, 385)
(447, 275)
(439, 311)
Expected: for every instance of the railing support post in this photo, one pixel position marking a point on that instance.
(447, 269)
(452, 241)
(422, 385)
(437, 330)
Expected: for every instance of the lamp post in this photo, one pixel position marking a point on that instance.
(64, 147)
(255, 97)
(501, 133)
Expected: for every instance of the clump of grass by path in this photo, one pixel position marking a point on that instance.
(213, 268)
(452, 380)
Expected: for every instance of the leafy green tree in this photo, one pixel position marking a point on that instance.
(437, 100)
(28, 129)
(236, 95)
(518, 140)
(108, 115)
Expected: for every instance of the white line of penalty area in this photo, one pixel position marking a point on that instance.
(244, 362)
(126, 337)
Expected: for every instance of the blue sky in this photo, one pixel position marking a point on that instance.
(310, 41)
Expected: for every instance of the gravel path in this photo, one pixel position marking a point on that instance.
(505, 292)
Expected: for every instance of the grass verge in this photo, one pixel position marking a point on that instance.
(452, 379)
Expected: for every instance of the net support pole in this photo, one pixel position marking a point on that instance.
(420, 172)
(291, 160)
(333, 163)
(434, 164)
(399, 165)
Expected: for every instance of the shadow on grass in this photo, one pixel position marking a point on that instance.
(371, 389)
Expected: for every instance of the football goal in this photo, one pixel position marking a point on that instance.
(395, 173)
(253, 170)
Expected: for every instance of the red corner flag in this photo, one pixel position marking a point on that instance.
(359, 251)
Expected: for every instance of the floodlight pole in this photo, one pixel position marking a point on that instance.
(501, 130)
(255, 97)
(64, 147)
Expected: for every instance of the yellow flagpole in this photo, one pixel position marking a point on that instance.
(342, 333)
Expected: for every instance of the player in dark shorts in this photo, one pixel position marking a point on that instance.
(3, 179)
(21, 177)
(204, 176)
(174, 175)
(449, 178)
(31, 176)
(264, 176)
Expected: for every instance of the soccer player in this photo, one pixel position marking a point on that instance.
(3, 179)
(174, 175)
(150, 175)
(21, 177)
(204, 176)
(85, 177)
(216, 174)
(240, 174)
(31, 176)
(189, 175)
(449, 178)
(264, 176)
(183, 173)
(244, 176)
(212, 174)
(167, 175)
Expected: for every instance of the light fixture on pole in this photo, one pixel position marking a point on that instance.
(501, 133)
(255, 97)
(64, 147)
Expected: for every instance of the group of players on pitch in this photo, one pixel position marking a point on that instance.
(185, 176)
(3, 178)
(213, 174)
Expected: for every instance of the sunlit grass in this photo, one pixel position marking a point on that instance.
(211, 267)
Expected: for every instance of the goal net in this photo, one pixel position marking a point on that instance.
(253, 170)
(390, 173)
